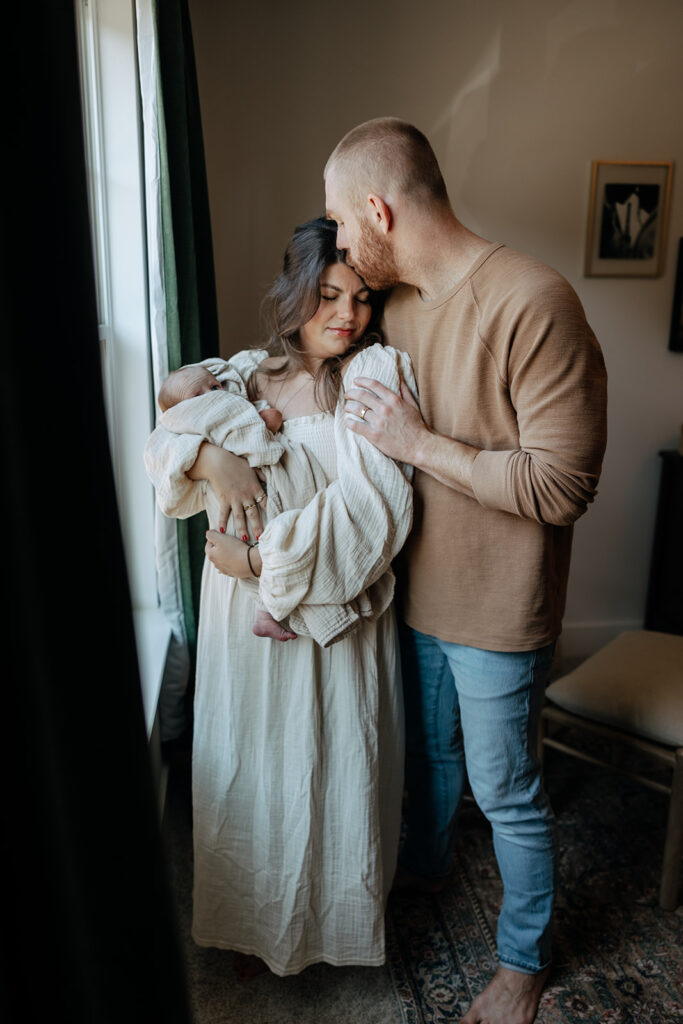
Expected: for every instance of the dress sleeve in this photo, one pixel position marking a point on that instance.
(556, 379)
(343, 540)
(221, 418)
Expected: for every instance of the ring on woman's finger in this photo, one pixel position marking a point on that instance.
(247, 507)
(365, 409)
(260, 499)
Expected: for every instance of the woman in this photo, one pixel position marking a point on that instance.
(298, 748)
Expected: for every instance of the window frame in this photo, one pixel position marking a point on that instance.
(112, 128)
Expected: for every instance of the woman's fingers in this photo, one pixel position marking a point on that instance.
(254, 518)
(236, 485)
(223, 513)
(209, 547)
(247, 517)
(239, 518)
(226, 553)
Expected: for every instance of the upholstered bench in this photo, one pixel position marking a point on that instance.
(631, 692)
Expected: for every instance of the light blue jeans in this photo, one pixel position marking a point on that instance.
(475, 713)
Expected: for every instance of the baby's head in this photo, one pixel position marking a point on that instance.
(187, 382)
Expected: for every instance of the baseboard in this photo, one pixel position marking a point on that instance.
(581, 639)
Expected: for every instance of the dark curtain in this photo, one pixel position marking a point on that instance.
(191, 309)
(88, 925)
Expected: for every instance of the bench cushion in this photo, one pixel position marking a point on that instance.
(634, 683)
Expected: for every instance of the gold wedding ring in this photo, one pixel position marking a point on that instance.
(255, 502)
(365, 409)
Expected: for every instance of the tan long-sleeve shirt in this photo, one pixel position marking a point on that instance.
(505, 362)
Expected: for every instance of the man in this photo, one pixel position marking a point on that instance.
(507, 445)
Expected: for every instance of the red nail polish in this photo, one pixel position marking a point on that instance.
(244, 537)
(222, 529)
(257, 536)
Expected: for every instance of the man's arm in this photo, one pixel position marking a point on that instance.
(555, 380)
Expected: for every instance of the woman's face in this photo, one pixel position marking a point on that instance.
(342, 316)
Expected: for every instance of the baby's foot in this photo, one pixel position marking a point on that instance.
(265, 625)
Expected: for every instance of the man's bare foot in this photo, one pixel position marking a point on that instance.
(248, 967)
(265, 625)
(406, 881)
(509, 998)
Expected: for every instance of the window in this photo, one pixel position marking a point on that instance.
(112, 132)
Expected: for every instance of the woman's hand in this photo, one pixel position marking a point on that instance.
(236, 486)
(229, 555)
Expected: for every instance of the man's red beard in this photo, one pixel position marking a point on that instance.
(374, 261)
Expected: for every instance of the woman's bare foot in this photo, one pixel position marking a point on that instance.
(509, 998)
(248, 967)
(265, 625)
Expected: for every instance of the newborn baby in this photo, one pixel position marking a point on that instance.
(190, 382)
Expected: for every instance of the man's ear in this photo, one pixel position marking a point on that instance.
(379, 213)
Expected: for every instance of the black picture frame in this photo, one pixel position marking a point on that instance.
(676, 331)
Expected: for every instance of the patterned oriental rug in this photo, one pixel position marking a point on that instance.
(440, 950)
(618, 956)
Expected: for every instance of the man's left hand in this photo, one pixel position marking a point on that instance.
(393, 423)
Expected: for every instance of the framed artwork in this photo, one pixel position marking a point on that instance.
(676, 334)
(627, 216)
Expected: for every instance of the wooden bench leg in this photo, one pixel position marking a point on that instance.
(673, 848)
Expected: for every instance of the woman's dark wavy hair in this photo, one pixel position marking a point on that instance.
(294, 298)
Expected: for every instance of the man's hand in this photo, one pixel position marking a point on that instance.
(393, 423)
(236, 486)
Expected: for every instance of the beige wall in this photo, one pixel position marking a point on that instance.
(517, 97)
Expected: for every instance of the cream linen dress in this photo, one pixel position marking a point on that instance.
(297, 767)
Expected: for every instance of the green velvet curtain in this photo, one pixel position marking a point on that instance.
(88, 927)
(191, 309)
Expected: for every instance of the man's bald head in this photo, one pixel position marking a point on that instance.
(390, 157)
